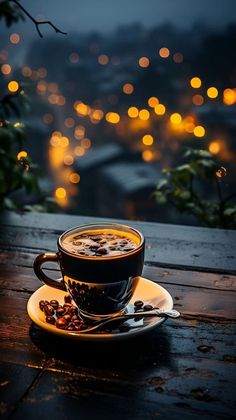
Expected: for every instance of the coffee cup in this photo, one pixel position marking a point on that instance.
(100, 265)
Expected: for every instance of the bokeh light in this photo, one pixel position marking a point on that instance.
(199, 131)
(128, 88)
(144, 114)
(144, 62)
(15, 38)
(133, 112)
(6, 69)
(112, 117)
(196, 82)
(214, 147)
(164, 52)
(160, 109)
(212, 92)
(147, 140)
(13, 86)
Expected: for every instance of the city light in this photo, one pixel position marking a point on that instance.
(13, 86)
(14, 38)
(147, 140)
(6, 69)
(144, 62)
(214, 147)
(74, 178)
(197, 100)
(60, 192)
(133, 112)
(195, 82)
(229, 97)
(160, 109)
(164, 52)
(69, 122)
(103, 59)
(79, 151)
(112, 117)
(153, 101)
(81, 108)
(178, 58)
(128, 88)
(79, 132)
(144, 114)
(212, 92)
(86, 143)
(147, 155)
(175, 118)
(26, 71)
(68, 160)
(199, 131)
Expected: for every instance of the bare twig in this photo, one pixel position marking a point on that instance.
(37, 23)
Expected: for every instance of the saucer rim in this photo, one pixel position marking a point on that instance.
(95, 337)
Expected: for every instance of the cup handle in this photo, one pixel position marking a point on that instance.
(39, 261)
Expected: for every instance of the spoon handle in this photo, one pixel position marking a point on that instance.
(162, 314)
(167, 314)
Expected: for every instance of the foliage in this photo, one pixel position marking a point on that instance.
(17, 171)
(183, 187)
(10, 13)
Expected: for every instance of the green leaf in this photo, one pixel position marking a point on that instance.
(160, 197)
(230, 211)
(162, 183)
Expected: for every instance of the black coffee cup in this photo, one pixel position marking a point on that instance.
(100, 286)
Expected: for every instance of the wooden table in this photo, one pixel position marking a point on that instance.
(184, 369)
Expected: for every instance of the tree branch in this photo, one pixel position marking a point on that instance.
(37, 23)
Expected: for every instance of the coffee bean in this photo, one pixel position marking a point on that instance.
(67, 317)
(101, 251)
(54, 303)
(48, 310)
(147, 307)
(70, 328)
(41, 304)
(67, 299)
(61, 323)
(138, 304)
(60, 311)
(50, 319)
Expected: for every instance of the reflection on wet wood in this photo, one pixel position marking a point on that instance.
(183, 369)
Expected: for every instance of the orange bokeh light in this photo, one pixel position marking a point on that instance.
(164, 52)
(128, 88)
(144, 62)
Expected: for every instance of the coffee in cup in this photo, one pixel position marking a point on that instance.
(100, 264)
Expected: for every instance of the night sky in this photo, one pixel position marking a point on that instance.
(105, 15)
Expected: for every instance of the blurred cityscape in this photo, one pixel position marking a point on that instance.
(110, 111)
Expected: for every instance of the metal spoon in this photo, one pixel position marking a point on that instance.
(146, 314)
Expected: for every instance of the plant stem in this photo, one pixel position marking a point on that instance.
(47, 22)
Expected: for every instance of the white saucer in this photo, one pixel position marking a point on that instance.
(146, 290)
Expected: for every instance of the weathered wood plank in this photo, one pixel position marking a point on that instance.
(11, 388)
(193, 299)
(15, 343)
(168, 395)
(24, 264)
(30, 345)
(167, 245)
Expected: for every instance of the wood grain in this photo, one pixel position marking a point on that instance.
(184, 369)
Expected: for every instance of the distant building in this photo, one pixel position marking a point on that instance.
(125, 190)
(116, 183)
